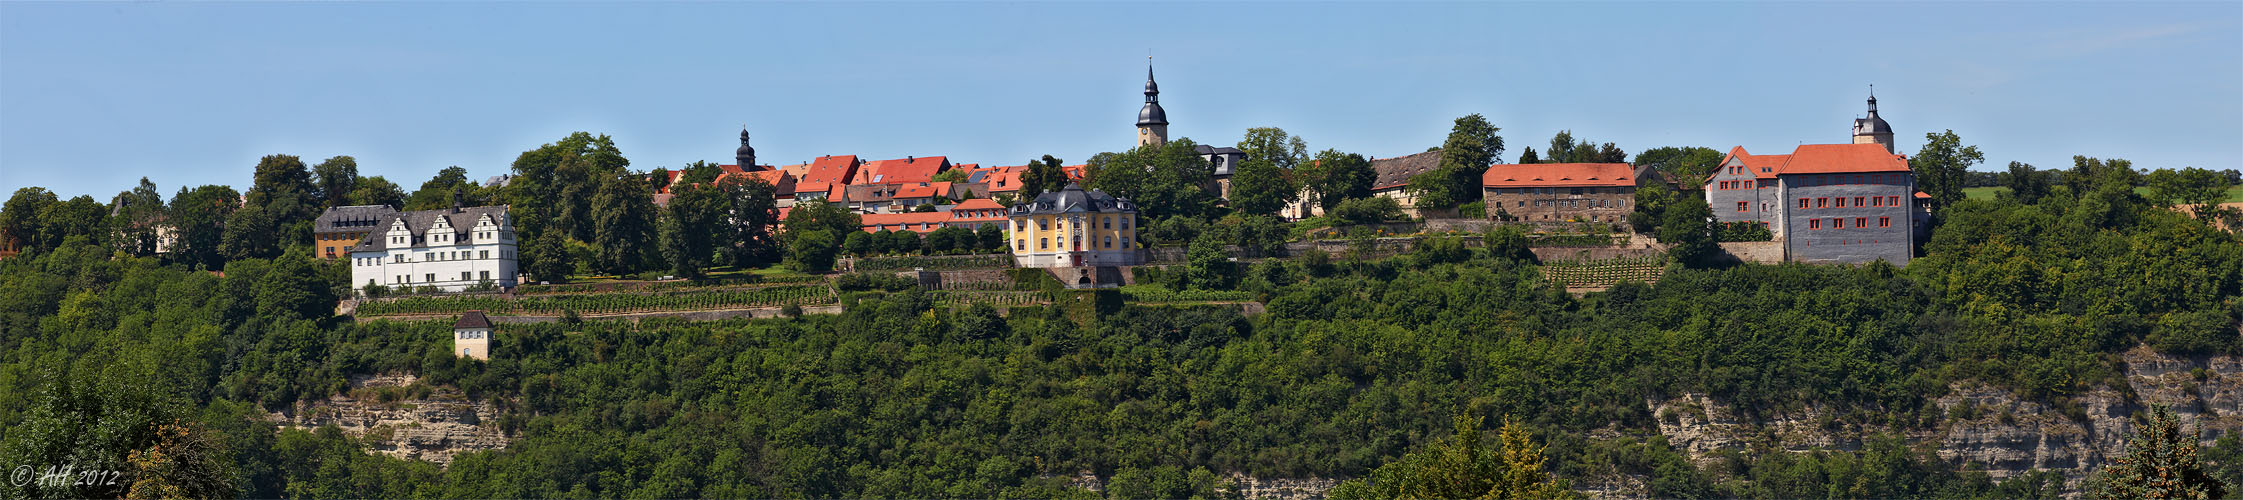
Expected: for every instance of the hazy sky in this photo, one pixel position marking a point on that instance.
(96, 95)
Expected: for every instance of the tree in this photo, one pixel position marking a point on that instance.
(1508, 242)
(1611, 153)
(2160, 462)
(1372, 210)
(1042, 175)
(690, 229)
(78, 217)
(291, 287)
(1472, 145)
(199, 216)
(1528, 157)
(184, 461)
(1463, 466)
(860, 243)
(1942, 165)
(1686, 228)
(285, 193)
(817, 216)
(1650, 208)
(377, 190)
(1208, 266)
(20, 220)
(750, 217)
(554, 184)
(1275, 146)
(991, 237)
(952, 175)
(811, 251)
(1259, 187)
(624, 220)
(901, 242)
(251, 233)
(547, 258)
(2025, 184)
(2194, 187)
(1688, 166)
(450, 187)
(1163, 180)
(137, 215)
(336, 178)
(1342, 177)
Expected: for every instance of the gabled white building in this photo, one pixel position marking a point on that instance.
(450, 249)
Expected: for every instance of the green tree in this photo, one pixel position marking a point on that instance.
(2160, 462)
(1272, 144)
(449, 187)
(1043, 175)
(1340, 177)
(1686, 227)
(199, 215)
(952, 175)
(1209, 267)
(750, 220)
(1528, 156)
(1164, 181)
(1942, 166)
(20, 219)
(2193, 187)
(1650, 208)
(137, 216)
(1372, 210)
(624, 216)
(285, 193)
(1688, 166)
(860, 243)
(1259, 187)
(2025, 184)
(990, 237)
(251, 233)
(1472, 145)
(811, 251)
(1508, 242)
(554, 185)
(691, 228)
(377, 190)
(336, 179)
(292, 288)
(547, 258)
(1463, 465)
(78, 217)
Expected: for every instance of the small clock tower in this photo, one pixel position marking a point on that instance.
(1152, 122)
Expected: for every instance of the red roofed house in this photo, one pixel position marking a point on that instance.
(977, 212)
(825, 177)
(1560, 192)
(908, 169)
(924, 193)
(1838, 203)
(917, 222)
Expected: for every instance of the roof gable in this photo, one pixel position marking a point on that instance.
(1396, 172)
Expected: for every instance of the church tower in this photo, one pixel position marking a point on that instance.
(1152, 122)
(745, 155)
(1873, 130)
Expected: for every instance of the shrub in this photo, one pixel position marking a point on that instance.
(1372, 210)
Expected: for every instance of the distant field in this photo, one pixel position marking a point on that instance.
(2234, 194)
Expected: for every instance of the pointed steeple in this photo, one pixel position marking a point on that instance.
(745, 155)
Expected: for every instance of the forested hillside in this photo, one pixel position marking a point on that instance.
(115, 362)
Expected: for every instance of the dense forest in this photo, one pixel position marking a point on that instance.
(116, 362)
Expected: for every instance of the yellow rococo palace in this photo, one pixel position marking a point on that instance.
(1075, 228)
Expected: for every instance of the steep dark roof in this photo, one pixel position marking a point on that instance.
(1073, 199)
(1396, 172)
(1213, 150)
(351, 218)
(472, 319)
(1151, 114)
(418, 221)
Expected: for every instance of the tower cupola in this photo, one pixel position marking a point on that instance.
(1873, 129)
(746, 154)
(1152, 122)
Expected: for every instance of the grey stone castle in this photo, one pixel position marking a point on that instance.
(1829, 203)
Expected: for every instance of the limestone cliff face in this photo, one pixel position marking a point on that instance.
(434, 427)
(1991, 429)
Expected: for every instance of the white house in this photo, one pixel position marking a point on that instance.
(450, 249)
(472, 335)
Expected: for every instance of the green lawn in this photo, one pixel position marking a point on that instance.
(2234, 194)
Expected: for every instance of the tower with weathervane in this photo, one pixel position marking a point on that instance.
(1152, 122)
(1873, 130)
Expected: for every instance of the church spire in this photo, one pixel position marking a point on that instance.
(745, 155)
(1152, 122)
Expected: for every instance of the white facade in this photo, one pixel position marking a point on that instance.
(451, 250)
(472, 342)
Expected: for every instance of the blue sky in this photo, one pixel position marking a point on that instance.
(95, 95)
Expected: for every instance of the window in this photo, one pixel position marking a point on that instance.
(1876, 201)
(485, 274)
(1043, 243)
(1020, 225)
(463, 352)
(1020, 244)
(1838, 223)
(1861, 222)
(1802, 203)
(431, 277)
(1822, 202)
(1814, 223)
(1840, 203)
(483, 254)
(1109, 242)
(1125, 242)
(1125, 222)
(1884, 222)
(1522, 203)
(1109, 222)
(1895, 201)
(1857, 202)
(464, 276)
(1043, 224)
(1744, 206)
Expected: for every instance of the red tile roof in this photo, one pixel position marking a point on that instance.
(1843, 158)
(1559, 175)
(1761, 166)
(1075, 172)
(828, 171)
(977, 204)
(1004, 179)
(924, 190)
(914, 169)
(918, 222)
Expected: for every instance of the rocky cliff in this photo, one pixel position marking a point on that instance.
(397, 417)
(1991, 429)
